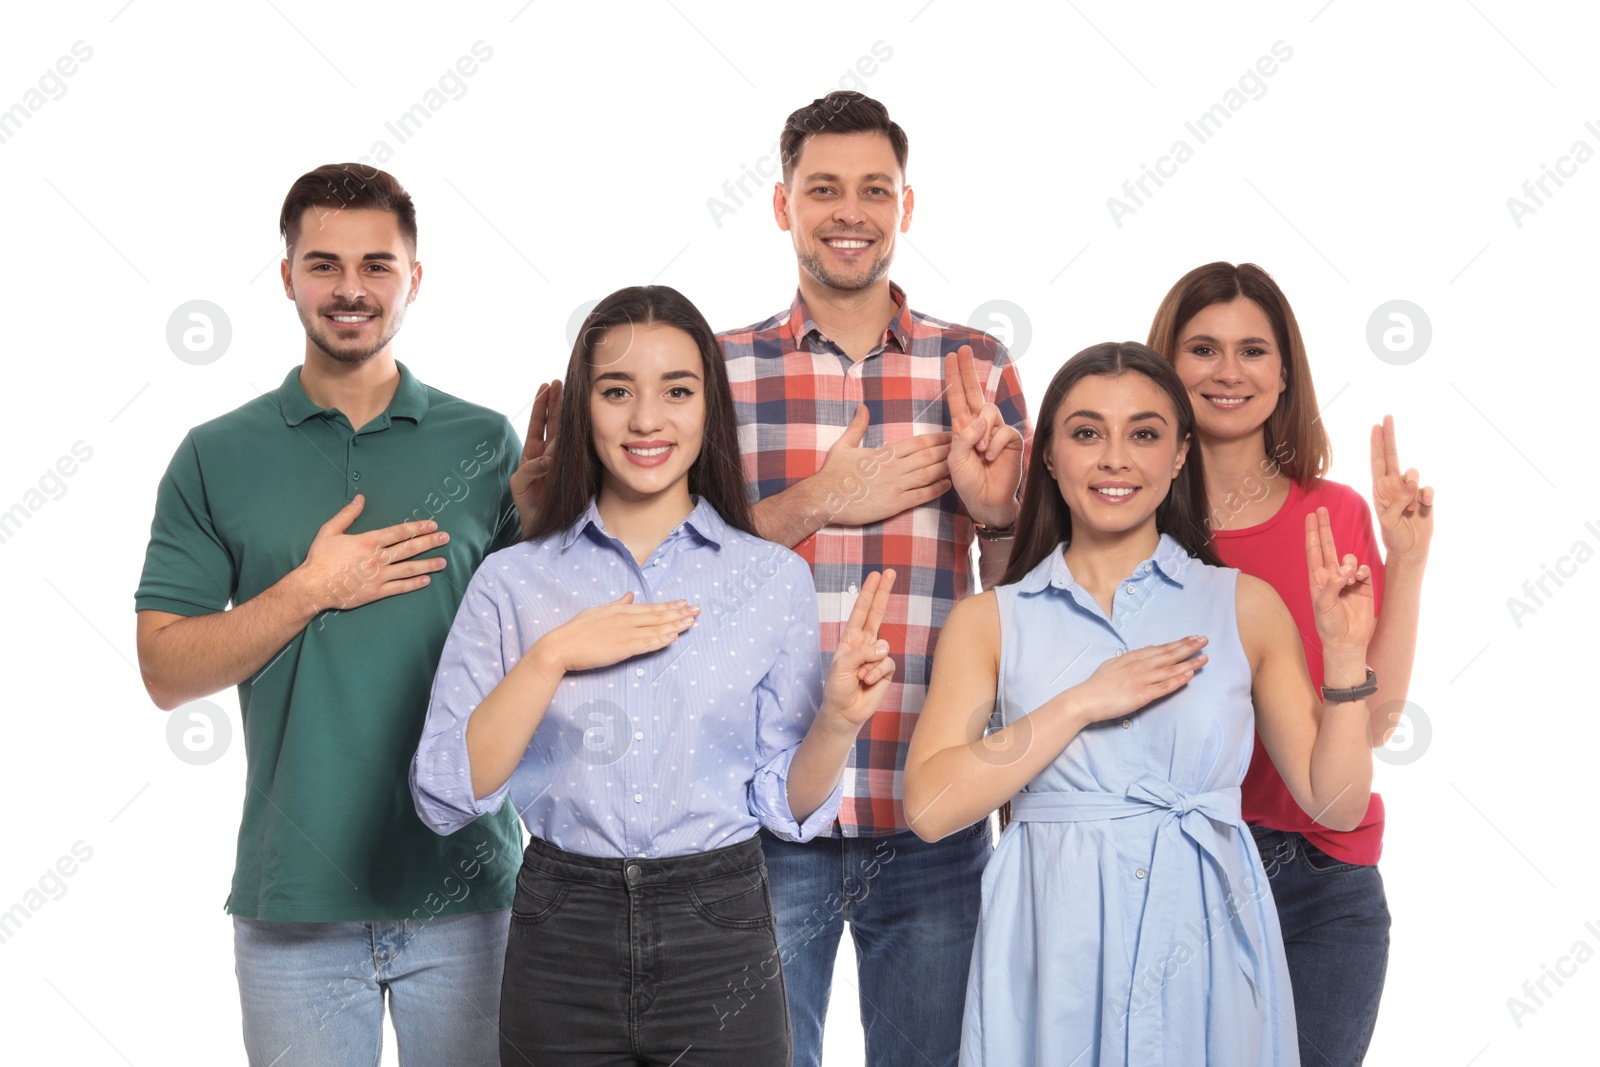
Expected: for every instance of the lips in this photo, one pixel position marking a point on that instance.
(1114, 492)
(648, 453)
(1225, 402)
(848, 245)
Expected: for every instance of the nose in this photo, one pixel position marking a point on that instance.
(351, 287)
(848, 210)
(1112, 458)
(647, 415)
(1228, 370)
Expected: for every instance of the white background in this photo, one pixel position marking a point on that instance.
(1375, 166)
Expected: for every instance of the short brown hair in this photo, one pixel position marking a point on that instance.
(347, 185)
(1295, 437)
(841, 111)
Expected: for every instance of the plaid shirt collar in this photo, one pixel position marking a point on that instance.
(801, 326)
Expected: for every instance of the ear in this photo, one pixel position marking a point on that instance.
(283, 272)
(416, 282)
(1183, 455)
(780, 205)
(908, 203)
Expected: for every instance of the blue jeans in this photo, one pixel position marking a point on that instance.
(627, 962)
(913, 911)
(1335, 922)
(312, 993)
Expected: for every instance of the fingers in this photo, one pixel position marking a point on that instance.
(1314, 563)
(857, 430)
(1380, 464)
(409, 538)
(1391, 452)
(1330, 554)
(955, 392)
(1173, 651)
(341, 520)
(968, 371)
(866, 615)
(917, 497)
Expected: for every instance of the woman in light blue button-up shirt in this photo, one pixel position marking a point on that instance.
(1126, 917)
(642, 678)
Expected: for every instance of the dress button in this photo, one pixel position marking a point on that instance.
(1127, 724)
(633, 871)
(639, 671)
(1147, 568)
(1139, 873)
(1129, 590)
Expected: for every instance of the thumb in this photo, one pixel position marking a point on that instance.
(626, 598)
(856, 432)
(346, 515)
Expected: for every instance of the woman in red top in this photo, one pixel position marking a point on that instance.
(1230, 334)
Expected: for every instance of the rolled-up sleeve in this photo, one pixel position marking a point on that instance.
(787, 701)
(472, 664)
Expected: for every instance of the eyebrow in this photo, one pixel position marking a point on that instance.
(627, 376)
(875, 176)
(387, 257)
(1084, 413)
(1213, 340)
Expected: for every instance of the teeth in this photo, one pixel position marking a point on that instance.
(1227, 401)
(351, 318)
(1115, 492)
(661, 451)
(849, 244)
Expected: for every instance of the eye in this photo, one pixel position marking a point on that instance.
(616, 392)
(878, 190)
(680, 392)
(324, 267)
(1145, 433)
(1201, 350)
(821, 190)
(1255, 351)
(379, 267)
(1083, 433)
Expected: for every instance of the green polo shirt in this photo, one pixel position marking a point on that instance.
(332, 722)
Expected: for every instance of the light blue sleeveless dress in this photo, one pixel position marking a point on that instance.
(1127, 921)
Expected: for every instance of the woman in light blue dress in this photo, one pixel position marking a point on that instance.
(1126, 917)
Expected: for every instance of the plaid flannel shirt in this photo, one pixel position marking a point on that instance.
(795, 391)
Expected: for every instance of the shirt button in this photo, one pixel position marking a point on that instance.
(638, 798)
(355, 476)
(1129, 590)
(1127, 724)
(638, 735)
(853, 588)
(1139, 873)
(639, 671)
(1147, 568)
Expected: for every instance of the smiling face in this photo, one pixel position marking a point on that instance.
(1115, 448)
(647, 410)
(843, 205)
(1231, 365)
(351, 276)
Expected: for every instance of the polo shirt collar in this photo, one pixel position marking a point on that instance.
(703, 522)
(801, 325)
(1168, 560)
(410, 400)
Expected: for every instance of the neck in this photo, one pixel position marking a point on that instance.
(1242, 488)
(1099, 561)
(361, 391)
(854, 319)
(642, 523)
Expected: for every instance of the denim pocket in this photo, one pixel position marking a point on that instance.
(537, 897)
(735, 901)
(1319, 862)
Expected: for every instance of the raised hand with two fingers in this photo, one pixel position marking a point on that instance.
(985, 452)
(861, 669)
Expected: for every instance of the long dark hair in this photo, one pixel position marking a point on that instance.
(716, 476)
(1293, 435)
(1044, 520)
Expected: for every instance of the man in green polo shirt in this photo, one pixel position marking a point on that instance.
(341, 516)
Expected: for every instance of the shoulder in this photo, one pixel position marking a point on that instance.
(1344, 504)
(986, 348)
(450, 406)
(741, 550)
(1261, 612)
(247, 420)
(974, 617)
(746, 335)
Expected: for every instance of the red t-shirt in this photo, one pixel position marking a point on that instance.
(1275, 551)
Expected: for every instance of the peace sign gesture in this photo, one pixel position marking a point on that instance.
(1341, 590)
(985, 453)
(1404, 508)
(861, 669)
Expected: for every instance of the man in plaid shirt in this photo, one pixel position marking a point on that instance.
(875, 437)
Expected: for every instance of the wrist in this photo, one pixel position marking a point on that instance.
(831, 724)
(546, 658)
(1000, 520)
(306, 596)
(1343, 670)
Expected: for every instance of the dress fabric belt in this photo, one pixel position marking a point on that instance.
(1208, 821)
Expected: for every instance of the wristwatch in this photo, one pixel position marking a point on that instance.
(996, 533)
(1355, 692)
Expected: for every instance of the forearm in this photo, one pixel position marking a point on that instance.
(183, 659)
(818, 764)
(501, 727)
(791, 516)
(1341, 758)
(954, 787)
(1394, 646)
(993, 556)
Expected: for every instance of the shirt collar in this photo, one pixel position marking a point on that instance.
(410, 400)
(801, 325)
(1169, 561)
(703, 522)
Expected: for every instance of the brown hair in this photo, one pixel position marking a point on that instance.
(841, 111)
(1295, 437)
(347, 185)
(1044, 520)
(716, 476)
